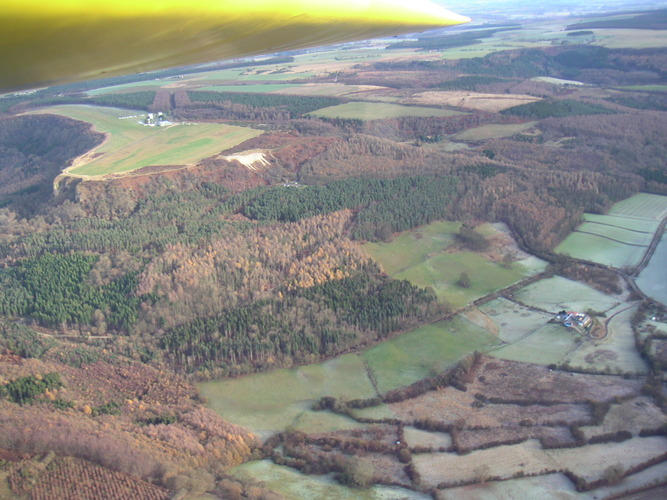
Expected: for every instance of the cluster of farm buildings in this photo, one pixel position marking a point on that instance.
(571, 319)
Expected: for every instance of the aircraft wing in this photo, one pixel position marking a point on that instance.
(45, 43)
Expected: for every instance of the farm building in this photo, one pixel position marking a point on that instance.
(573, 319)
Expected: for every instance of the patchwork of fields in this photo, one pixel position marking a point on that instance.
(620, 238)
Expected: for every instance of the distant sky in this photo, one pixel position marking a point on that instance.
(488, 10)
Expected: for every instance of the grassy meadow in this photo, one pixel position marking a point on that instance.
(270, 402)
(425, 351)
(557, 293)
(131, 145)
(378, 111)
(427, 257)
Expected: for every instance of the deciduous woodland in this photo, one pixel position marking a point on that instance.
(117, 292)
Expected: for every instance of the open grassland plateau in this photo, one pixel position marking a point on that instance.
(131, 145)
(379, 111)
(270, 402)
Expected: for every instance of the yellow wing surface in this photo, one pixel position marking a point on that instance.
(42, 43)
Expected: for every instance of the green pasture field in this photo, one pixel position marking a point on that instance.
(264, 88)
(631, 223)
(130, 145)
(493, 131)
(642, 205)
(512, 320)
(421, 256)
(557, 293)
(442, 273)
(601, 250)
(551, 343)
(270, 402)
(378, 111)
(619, 234)
(293, 485)
(410, 248)
(425, 352)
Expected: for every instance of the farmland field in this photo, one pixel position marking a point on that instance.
(293, 485)
(410, 248)
(469, 100)
(130, 145)
(549, 344)
(493, 131)
(591, 461)
(510, 320)
(619, 221)
(378, 111)
(616, 352)
(332, 89)
(554, 294)
(425, 352)
(502, 461)
(258, 88)
(620, 238)
(425, 257)
(633, 415)
(442, 272)
(642, 205)
(601, 250)
(269, 402)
